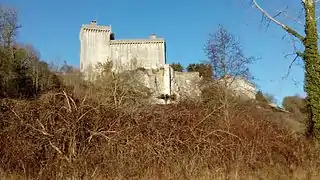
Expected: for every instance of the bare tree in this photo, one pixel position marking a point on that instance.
(8, 31)
(310, 56)
(228, 61)
(226, 56)
(8, 25)
(119, 89)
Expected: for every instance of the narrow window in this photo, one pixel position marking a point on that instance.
(112, 36)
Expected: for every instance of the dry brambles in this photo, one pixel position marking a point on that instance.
(67, 136)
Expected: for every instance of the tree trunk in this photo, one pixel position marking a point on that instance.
(312, 71)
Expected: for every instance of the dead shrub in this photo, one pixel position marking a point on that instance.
(63, 135)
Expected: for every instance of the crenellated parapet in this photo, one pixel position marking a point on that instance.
(96, 28)
(138, 41)
(93, 27)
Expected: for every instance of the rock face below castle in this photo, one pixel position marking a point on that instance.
(240, 87)
(166, 81)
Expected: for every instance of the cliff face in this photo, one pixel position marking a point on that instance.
(240, 87)
(165, 81)
(187, 85)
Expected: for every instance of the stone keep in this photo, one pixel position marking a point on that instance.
(97, 44)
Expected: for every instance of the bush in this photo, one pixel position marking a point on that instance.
(177, 67)
(64, 135)
(294, 104)
(23, 74)
(205, 70)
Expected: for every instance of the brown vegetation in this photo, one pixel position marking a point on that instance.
(69, 135)
(205, 70)
(56, 125)
(177, 67)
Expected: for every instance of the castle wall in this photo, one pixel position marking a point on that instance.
(133, 54)
(167, 79)
(94, 46)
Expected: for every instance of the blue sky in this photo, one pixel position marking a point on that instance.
(52, 27)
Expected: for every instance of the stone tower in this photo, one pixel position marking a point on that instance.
(94, 45)
(98, 44)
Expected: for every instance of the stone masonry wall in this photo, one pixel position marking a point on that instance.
(94, 46)
(132, 54)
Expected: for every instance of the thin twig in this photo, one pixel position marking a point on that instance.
(290, 67)
(285, 27)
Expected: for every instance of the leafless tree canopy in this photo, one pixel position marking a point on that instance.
(8, 25)
(226, 56)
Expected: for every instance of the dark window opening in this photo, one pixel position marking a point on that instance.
(112, 36)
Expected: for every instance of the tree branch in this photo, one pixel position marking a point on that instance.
(290, 66)
(297, 54)
(285, 27)
(292, 18)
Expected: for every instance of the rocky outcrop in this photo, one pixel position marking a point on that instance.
(164, 82)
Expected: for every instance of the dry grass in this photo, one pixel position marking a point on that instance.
(68, 136)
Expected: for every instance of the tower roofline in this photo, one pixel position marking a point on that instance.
(137, 41)
(94, 26)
